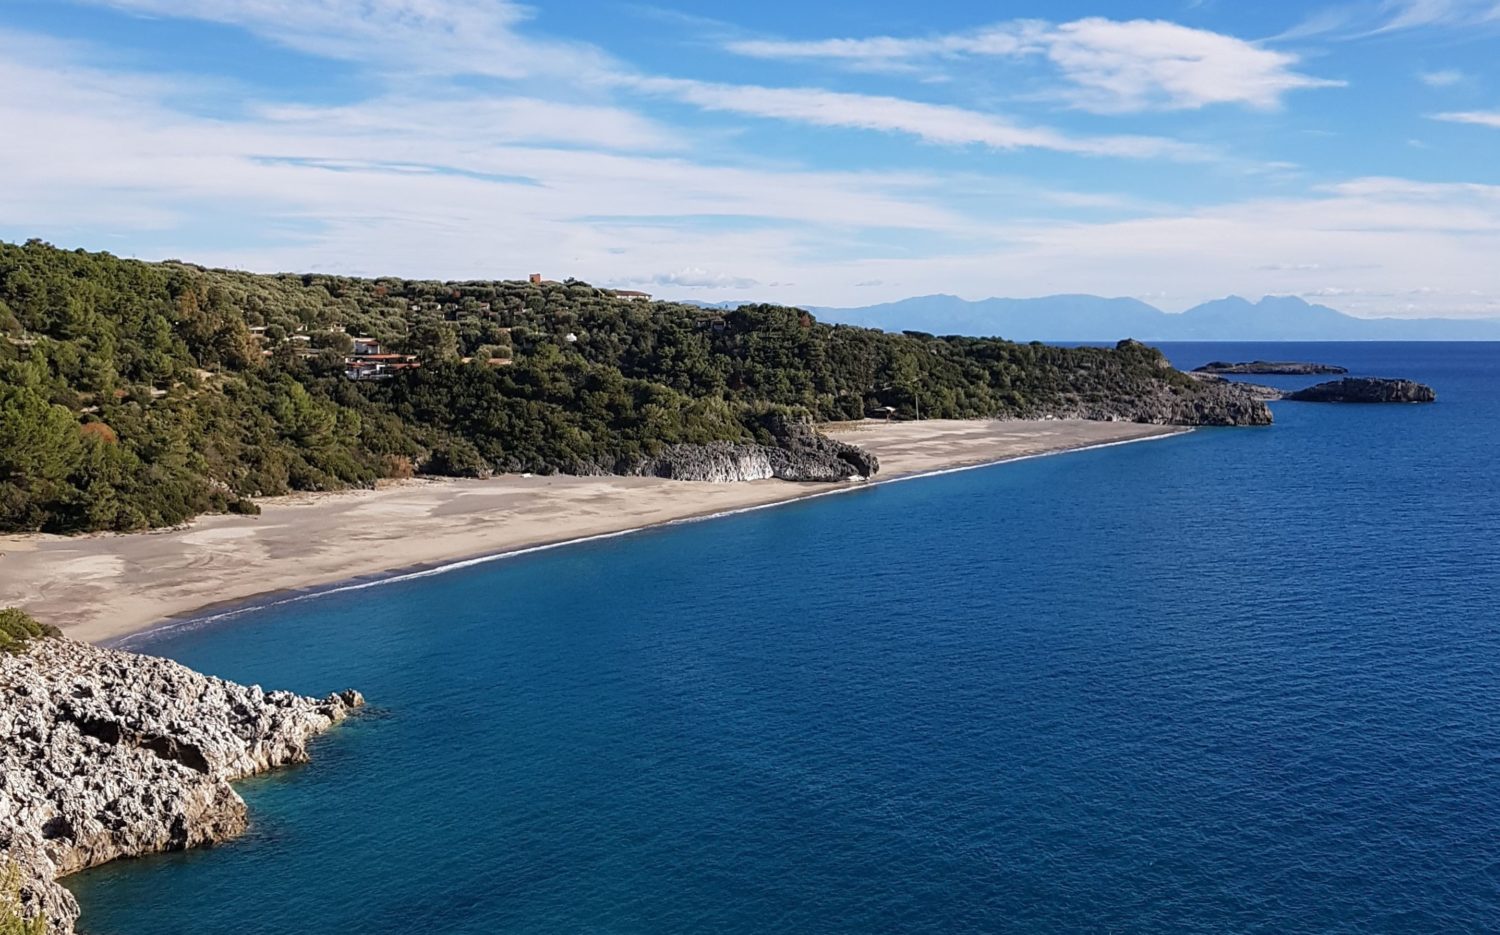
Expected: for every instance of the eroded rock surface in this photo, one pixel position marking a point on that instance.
(801, 454)
(1366, 390)
(107, 754)
(1200, 403)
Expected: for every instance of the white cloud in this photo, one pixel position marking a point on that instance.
(375, 188)
(1000, 40)
(696, 278)
(409, 37)
(413, 39)
(1364, 20)
(1385, 236)
(1412, 14)
(486, 121)
(933, 123)
(1143, 65)
(1480, 118)
(1109, 65)
(1446, 78)
(602, 192)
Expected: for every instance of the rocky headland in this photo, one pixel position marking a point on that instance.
(107, 754)
(1365, 390)
(1271, 368)
(1175, 398)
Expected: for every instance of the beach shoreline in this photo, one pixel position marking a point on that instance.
(122, 589)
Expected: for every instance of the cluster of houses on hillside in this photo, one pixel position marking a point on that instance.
(366, 360)
(369, 361)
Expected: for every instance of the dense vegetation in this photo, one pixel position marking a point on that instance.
(139, 394)
(17, 628)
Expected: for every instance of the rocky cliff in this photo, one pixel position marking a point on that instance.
(1366, 390)
(107, 754)
(801, 453)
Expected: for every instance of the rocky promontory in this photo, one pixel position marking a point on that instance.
(107, 754)
(1215, 402)
(1365, 390)
(1151, 391)
(1271, 368)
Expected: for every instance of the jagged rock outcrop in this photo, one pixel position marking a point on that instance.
(1270, 367)
(1260, 391)
(1196, 403)
(107, 754)
(801, 454)
(1366, 390)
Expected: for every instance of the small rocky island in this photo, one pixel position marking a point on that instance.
(107, 754)
(1271, 368)
(1365, 390)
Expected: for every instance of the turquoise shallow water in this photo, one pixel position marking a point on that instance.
(1243, 680)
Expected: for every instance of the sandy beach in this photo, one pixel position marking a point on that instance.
(103, 587)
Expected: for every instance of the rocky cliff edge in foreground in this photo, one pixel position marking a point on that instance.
(107, 754)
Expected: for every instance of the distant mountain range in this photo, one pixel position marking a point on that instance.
(1064, 318)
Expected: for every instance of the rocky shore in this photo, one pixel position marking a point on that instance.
(1271, 368)
(107, 754)
(801, 453)
(1215, 402)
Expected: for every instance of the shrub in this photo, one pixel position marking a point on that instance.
(17, 628)
(243, 506)
(12, 919)
(397, 467)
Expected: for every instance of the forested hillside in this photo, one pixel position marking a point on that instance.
(140, 394)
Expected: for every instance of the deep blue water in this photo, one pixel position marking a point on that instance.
(1238, 681)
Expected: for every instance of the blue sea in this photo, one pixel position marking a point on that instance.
(1242, 680)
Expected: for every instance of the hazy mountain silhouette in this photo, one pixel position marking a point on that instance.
(1091, 318)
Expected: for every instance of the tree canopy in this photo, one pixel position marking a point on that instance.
(136, 394)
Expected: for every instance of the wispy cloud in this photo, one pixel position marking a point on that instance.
(571, 161)
(1107, 65)
(1445, 78)
(1007, 40)
(1364, 20)
(1479, 118)
(697, 278)
(1412, 14)
(933, 123)
(412, 37)
(408, 39)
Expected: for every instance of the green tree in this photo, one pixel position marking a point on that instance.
(433, 342)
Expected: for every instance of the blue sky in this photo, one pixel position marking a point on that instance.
(820, 153)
